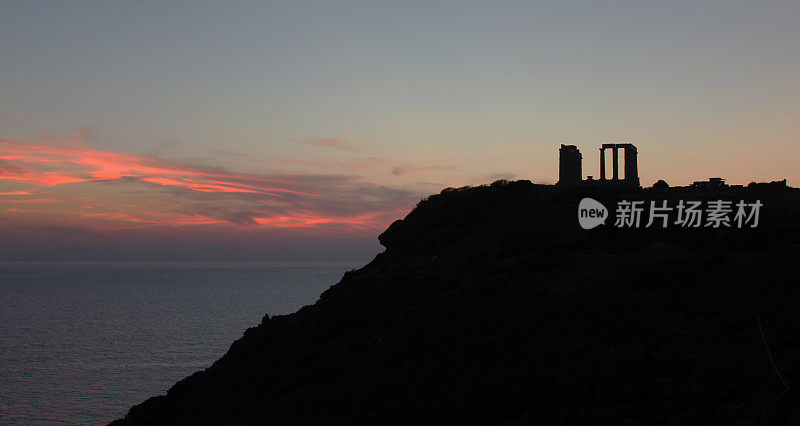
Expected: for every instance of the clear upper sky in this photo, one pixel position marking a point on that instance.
(171, 129)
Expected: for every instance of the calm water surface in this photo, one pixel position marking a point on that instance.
(82, 342)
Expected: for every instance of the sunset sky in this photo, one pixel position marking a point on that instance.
(299, 130)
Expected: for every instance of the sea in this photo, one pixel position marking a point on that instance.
(82, 342)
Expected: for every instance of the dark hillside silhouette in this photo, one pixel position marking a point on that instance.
(491, 305)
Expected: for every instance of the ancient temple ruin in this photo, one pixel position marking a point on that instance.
(631, 164)
(570, 165)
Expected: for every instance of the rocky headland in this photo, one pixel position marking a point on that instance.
(492, 305)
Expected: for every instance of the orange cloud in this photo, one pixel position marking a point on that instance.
(154, 192)
(45, 165)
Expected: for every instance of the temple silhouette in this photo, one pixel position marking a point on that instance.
(570, 165)
(570, 171)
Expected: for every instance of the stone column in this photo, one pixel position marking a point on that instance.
(615, 162)
(602, 164)
(631, 165)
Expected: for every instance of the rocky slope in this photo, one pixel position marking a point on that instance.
(491, 305)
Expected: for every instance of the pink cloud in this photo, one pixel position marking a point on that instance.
(46, 165)
(17, 193)
(172, 194)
